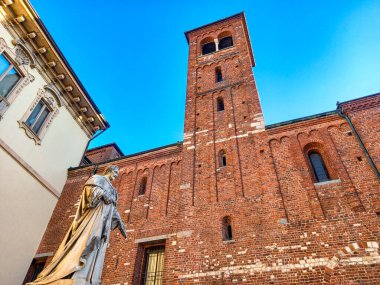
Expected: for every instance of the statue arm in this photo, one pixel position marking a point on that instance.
(118, 223)
(96, 195)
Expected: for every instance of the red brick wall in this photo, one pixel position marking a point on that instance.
(286, 228)
(102, 154)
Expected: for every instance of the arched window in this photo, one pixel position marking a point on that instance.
(222, 158)
(142, 188)
(208, 45)
(225, 42)
(319, 167)
(219, 104)
(226, 228)
(208, 48)
(218, 74)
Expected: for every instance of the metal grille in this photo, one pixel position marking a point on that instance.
(154, 266)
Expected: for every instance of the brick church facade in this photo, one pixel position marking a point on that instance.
(238, 201)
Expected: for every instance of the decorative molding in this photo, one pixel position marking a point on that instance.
(23, 55)
(29, 169)
(20, 58)
(52, 101)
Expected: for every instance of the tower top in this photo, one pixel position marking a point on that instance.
(239, 17)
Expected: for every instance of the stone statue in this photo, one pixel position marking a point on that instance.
(80, 257)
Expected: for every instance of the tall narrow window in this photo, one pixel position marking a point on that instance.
(38, 117)
(153, 266)
(219, 104)
(319, 167)
(218, 74)
(225, 42)
(222, 158)
(143, 186)
(227, 228)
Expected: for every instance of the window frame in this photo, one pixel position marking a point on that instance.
(227, 234)
(218, 75)
(45, 106)
(50, 98)
(144, 180)
(145, 263)
(323, 163)
(208, 43)
(222, 159)
(224, 38)
(20, 60)
(220, 104)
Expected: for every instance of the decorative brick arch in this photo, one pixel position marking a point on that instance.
(345, 254)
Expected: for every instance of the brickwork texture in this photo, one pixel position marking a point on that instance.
(286, 226)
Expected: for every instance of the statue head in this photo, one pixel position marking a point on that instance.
(111, 172)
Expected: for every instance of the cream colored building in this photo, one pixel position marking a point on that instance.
(46, 121)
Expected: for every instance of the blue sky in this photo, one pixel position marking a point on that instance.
(132, 57)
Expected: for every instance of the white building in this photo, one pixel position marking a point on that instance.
(46, 121)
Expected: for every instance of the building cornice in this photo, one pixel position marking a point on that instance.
(26, 25)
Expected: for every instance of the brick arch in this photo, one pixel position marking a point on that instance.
(346, 252)
(284, 139)
(302, 135)
(225, 33)
(273, 142)
(329, 128)
(206, 40)
(345, 126)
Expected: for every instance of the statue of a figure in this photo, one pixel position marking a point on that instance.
(80, 257)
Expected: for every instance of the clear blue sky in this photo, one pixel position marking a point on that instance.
(132, 57)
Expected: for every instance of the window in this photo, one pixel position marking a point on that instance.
(143, 183)
(218, 75)
(219, 104)
(208, 48)
(38, 117)
(222, 158)
(225, 42)
(153, 266)
(226, 228)
(319, 167)
(40, 114)
(9, 78)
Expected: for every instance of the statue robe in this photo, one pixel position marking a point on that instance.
(80, 257)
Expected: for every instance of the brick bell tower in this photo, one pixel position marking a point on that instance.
(222, 113)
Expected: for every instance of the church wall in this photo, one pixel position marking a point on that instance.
(287, 228)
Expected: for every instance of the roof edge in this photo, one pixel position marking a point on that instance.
(357, 99)
(50, 38)
(127, 156)
(212, 23)
(302, 119)
(107, 145)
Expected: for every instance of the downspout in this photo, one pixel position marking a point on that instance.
(366, 153)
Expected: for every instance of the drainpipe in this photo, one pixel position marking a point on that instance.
(84, 153)
(367, 155)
